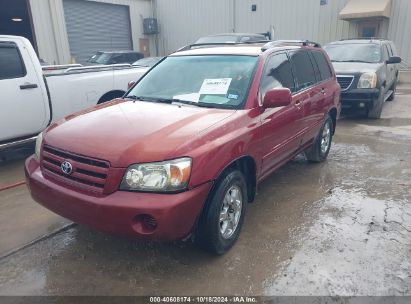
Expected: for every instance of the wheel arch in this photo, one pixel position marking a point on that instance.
(110, 95)
(247, 165)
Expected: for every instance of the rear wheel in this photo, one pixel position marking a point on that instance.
(222, 218)
(318, 152)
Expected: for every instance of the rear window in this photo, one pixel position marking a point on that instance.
(303, 70)
(10, 62)
(323, 66)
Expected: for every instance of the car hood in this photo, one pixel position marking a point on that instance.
(355, 67)
(125, 132)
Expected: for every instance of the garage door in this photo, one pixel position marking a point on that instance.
(93, 26)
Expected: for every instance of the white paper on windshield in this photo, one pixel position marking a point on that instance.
(218, 86)
(193, 97)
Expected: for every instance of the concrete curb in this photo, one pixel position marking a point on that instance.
(39, 239)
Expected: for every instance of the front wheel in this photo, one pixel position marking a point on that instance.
(376, 110)
(318, 152)
(222, 218)
(394, 90)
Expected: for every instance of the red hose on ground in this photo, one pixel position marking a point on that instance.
(2, 188)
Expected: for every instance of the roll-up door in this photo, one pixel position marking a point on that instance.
(94, 26)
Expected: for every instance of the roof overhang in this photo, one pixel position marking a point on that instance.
(360, 9)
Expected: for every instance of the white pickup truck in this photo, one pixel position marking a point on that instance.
(31, 96)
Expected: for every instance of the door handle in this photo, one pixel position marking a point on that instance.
(27, 86)
(298, 104)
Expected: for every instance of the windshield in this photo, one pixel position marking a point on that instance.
(147, 62)
(354, 52)
(101, 58)
(212, 81)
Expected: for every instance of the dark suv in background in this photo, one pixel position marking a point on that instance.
(367, 72)
(114, 57)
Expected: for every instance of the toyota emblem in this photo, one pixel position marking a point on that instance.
(66, 167)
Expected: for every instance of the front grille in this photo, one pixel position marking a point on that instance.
(87, 173)
(345, 82)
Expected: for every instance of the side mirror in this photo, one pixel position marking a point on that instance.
(394, 60)
(130, 85)
(275, 98)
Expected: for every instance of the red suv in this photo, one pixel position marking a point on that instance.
(182, 153)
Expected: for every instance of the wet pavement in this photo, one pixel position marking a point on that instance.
(342, 227)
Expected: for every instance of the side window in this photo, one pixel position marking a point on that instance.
(277, 74)
(323, 65)
(394, 50)
(390, 52)
(385, 52)
(11, 62)
(303, 70)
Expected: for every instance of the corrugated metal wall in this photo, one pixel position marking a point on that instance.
(295, 19)
(399, 29)
(183, 21)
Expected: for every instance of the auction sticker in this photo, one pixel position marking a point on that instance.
(218, 86)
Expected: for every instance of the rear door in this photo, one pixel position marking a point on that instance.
(281, 127)
(23, 109)
(308, 94)
(324, 94)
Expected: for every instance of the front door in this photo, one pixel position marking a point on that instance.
(281, 127)
(23, 106)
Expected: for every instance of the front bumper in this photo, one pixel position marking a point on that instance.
(121, 212)
(359, 98)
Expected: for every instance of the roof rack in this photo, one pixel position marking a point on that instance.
(364, 38)
(199, 45)
(276, 43)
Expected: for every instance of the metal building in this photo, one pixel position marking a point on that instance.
(183, 21)
(66, 31)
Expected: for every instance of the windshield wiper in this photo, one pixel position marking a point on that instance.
(181, 101)
(144, 98)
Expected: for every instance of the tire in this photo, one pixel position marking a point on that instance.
(318, 152)
(375, 112)
(394, 90)
(211, 234)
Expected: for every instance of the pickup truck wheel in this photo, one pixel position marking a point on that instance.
(376, 110)
(318, 152)
(222, 218)
(394, 90)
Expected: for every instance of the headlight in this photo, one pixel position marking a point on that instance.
(168, 176)
(367, 81)
(39, 142)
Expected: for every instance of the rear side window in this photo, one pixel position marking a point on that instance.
(277, 74)
(11, 63)
(323, 66)
(303, 70)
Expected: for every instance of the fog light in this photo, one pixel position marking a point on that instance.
(362, 105)
(149, 222)
(144, 224)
